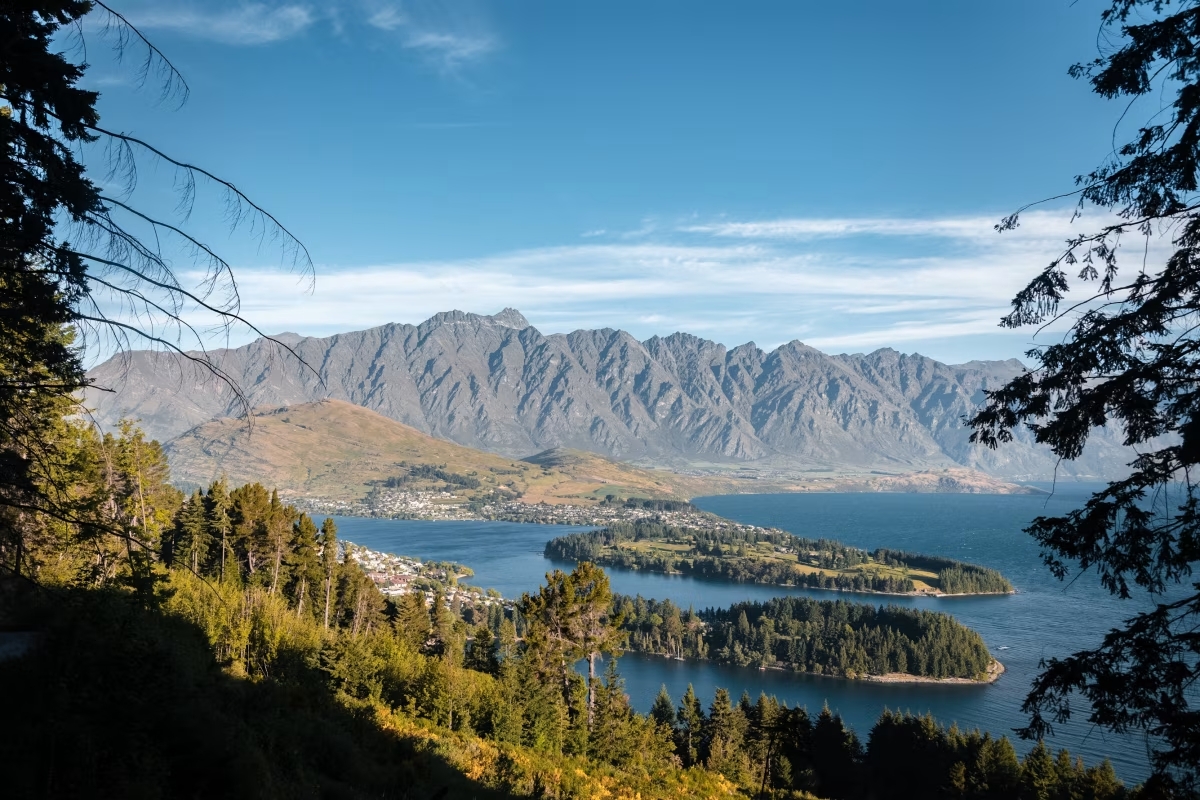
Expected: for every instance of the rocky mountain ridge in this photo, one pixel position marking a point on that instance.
(497, 383)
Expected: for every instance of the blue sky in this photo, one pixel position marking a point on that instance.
(743, 171)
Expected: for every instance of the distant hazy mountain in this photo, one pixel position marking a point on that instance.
(497, 383)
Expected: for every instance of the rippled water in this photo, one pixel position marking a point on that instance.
(1045, 618)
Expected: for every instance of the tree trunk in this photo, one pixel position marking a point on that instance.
(278, 562)
(328, 588)
(300, 598)
(591, 687)
(762, 792)
(358, 613)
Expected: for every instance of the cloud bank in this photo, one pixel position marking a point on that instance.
(937, 286)
(250, 24)
(449, 41)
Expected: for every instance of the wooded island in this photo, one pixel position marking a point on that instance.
(761, 555)
(822, 637)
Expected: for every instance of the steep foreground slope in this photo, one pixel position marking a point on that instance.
(496, 383)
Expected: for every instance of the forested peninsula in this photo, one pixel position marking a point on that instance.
(822, 637)
(747, 554)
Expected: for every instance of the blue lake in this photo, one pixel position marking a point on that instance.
(1045, 618)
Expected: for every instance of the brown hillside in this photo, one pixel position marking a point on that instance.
(333, 449)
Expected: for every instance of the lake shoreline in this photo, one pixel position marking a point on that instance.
(994, 671)
(936, 595)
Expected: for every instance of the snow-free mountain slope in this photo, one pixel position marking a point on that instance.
(497, 383)
(331, 449)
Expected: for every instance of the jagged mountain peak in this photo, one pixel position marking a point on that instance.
(507, 318)
(511, 318)
(496, 383)
(288, 338)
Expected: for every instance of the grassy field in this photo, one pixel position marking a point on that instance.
(802, 563)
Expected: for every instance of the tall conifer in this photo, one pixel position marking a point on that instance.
(329, 564)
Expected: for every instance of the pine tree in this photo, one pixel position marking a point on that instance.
(1100, 782)
(329, 564)
(723, 735)
(609, 731)
(765, 727)
(1127, 361)
(481, 656)
(569, 618)
(70, 255)
(412, 619)
(358, 604)
(280, 519)
(795, 746)
(443, 623)
(663, 710)
(217, 506)
(304, 566)
(836, 756)
(999, 768)
(250, 506)
(593, 626)
(691, 727)
(1038, 777)
(190, 540)
(141, 501)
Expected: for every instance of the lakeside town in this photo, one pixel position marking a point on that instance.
(444, 505)
(397, 575)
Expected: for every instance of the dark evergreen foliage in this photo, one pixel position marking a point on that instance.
(829, 637)
(71, 251)
(1129, 360)
(428, 472)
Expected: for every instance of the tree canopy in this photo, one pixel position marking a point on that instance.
(1130, 360)
(79, 260)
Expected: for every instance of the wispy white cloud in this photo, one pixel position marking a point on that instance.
(732, 293)
(386, 18)
(834, 228)
(448, 41)
(976, 228)
(110, 80)
(450, 50)
(247, 24)
(649, 225)
(942, 296)
(901, 333)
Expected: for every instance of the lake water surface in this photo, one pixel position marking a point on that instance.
(1045, 618)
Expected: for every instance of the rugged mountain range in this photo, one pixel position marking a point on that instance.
(497, 383)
